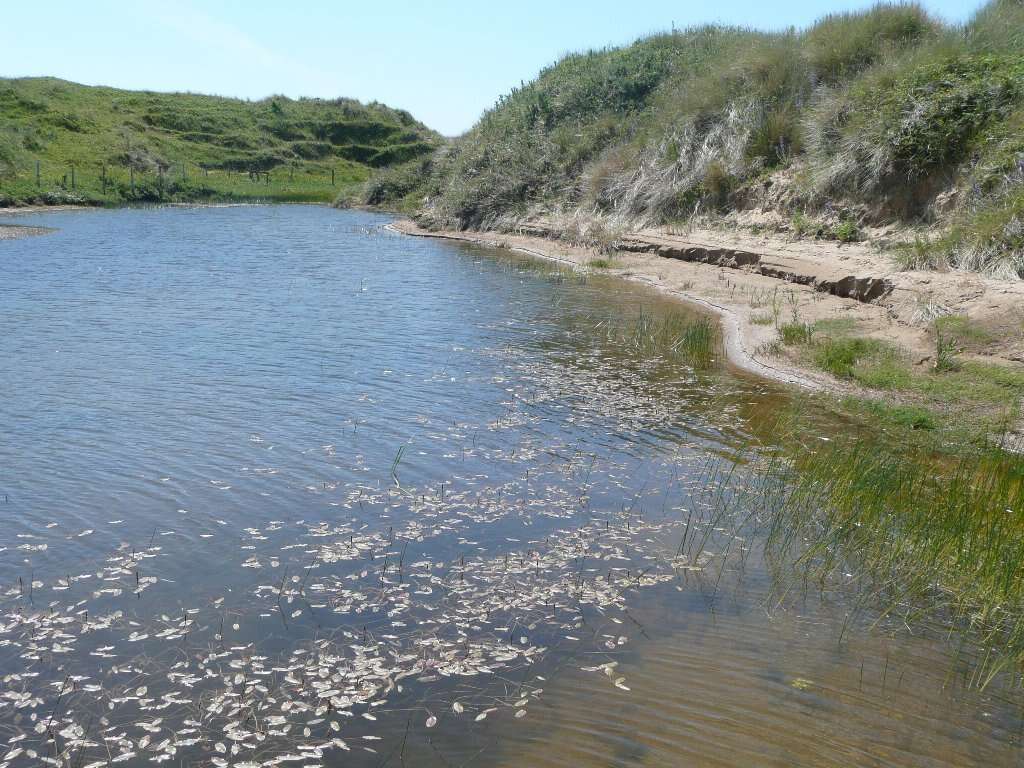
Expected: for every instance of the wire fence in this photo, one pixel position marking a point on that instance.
(108, 177)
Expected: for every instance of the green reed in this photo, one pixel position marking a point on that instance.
(672, 336)
(914, 538)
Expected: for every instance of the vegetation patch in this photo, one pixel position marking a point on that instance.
(66, 143)
(916, 540)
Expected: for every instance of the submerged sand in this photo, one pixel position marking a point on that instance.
(14, 231)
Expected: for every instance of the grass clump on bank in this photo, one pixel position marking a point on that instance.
(66, 143)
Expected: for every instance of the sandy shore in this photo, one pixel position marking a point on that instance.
(26, 209)
(746, 280)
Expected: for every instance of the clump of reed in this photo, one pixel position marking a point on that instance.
(915, 539)
(674, 336)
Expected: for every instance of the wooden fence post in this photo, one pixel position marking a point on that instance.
(72, 176)
(38, 179)
(332, 177)
(132, 169)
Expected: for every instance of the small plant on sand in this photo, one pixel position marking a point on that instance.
(797, 333)
(846, 231)
(922, 253)
(908, 416)
(945, 351)
(803, 225)
(601, 263)
(769, 349)
(839, 356)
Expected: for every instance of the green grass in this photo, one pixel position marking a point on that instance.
(797, 333)
(966, 400)
(803, 225)
(66, 143)
(601, 263)
(840, 356)
(897, 415)
(986, 238)
(902, 537)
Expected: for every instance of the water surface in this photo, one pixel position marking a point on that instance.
(280, 487)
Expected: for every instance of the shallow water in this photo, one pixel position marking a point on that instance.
(268, 471)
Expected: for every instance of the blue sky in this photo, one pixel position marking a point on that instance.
(445, 61)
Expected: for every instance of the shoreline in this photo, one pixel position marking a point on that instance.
(763, 286)
(738, 336)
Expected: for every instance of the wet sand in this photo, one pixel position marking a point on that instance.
(14, 231)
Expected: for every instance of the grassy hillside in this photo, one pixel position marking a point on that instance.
(878, 116)
(90, 142)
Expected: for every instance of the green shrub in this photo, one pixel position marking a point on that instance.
(990, 238)
(717, 185)
(893, 131)
(846, 231)
(392, 187)
(803, 225)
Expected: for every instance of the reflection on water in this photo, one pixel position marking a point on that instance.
(279, 487)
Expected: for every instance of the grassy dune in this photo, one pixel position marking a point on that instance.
(877, 116)
(66, 143)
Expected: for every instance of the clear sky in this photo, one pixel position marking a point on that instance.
(443, 60)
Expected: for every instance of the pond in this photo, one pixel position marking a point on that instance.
(281, 487)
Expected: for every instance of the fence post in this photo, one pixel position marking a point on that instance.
(132, 169)
(103, 177)
(72, 176)
(38, 180)
(332, 177)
